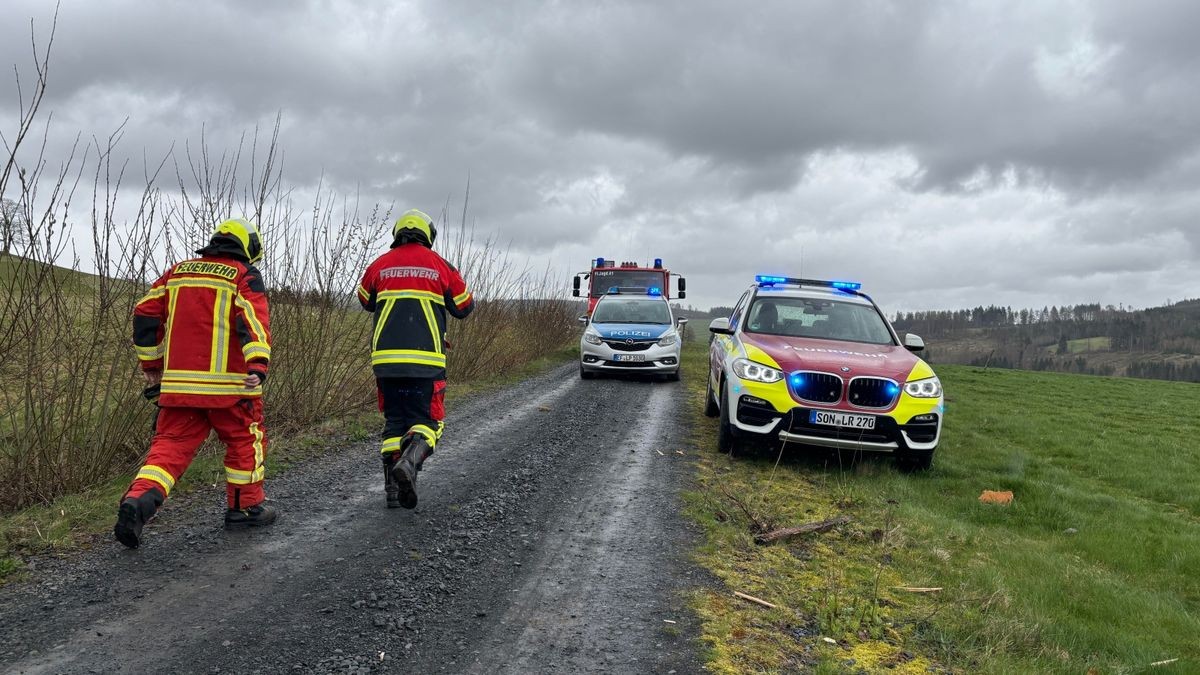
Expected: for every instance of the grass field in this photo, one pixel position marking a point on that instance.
(1084, 345)
(1094, 567)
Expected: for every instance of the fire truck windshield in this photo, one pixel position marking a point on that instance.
(602, 280)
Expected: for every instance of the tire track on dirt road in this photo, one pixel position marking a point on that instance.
(341, 584)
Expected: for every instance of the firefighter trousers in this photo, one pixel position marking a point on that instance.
(178, 434)
(411, 405)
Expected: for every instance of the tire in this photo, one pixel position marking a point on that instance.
(725, 439)
(586, 374)
(914, 461)
(673, 377)
(710, 404)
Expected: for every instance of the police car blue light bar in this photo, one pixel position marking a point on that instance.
(767, 280)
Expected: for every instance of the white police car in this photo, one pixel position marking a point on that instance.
(630, 331)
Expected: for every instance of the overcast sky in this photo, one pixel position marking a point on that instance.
(944, 153)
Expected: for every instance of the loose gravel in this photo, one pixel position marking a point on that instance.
(548, 539)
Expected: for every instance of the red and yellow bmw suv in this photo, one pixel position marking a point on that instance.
(816, 363)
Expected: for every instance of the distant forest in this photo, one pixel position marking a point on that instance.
(1159, 343)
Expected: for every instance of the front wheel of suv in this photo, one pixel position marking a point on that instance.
(725, 439)
(710, 403)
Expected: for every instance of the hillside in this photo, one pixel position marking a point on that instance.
(1160, 342)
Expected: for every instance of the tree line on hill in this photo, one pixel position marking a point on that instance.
(1159, 343)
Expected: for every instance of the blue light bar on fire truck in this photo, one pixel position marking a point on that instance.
(624, 290)
(767, 280)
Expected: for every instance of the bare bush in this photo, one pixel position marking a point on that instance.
(71, 414)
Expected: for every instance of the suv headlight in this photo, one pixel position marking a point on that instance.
(930, 387)
(592, 338)
(668, 339)
(757, 372)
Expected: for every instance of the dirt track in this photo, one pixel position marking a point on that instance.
(548, 539)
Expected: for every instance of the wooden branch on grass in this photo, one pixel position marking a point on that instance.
(755, 523)
(807, 528)
(757, 601)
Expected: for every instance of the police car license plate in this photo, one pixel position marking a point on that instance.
(840, 419)
(629, 357)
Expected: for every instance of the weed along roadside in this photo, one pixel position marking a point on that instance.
(84, 518)
(1090, 568)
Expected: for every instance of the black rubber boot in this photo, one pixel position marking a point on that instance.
(259, 515)
(390, 487)
(133, 514)
(415, 452)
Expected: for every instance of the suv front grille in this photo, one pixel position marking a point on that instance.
(884, 431)
(816, 387)
(872, 392)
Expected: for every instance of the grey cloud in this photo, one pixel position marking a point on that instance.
(993, 143)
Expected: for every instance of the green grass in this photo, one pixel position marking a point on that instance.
(1095, 565)
(1092, 344)
(73, 521)
(1084, 345)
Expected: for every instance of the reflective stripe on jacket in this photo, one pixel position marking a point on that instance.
(410, 289)
(203, 323)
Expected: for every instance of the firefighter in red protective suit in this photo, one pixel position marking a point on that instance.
(203, 339)
(409, 290)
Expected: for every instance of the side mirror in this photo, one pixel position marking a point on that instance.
(682, 321)
(913, 343)
(575, 286)
(720, 327)
(575, 292)
(682, 285)
(583, 319)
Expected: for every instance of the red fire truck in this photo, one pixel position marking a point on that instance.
(606, 275)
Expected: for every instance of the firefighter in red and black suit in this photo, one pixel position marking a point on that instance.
(410, 289)
(202, 335)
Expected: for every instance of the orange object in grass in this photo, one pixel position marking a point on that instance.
(994, 497)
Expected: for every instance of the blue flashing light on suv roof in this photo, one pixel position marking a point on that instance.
(767, 280)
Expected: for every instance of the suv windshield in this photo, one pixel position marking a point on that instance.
(630, 310)
(604, 279)
(817, 318)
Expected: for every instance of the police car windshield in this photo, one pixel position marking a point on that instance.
(631, 310)
(817, 318)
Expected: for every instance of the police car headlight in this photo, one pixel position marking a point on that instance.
(592, 338)
(929, 387)
(757, 372)
(668, 339)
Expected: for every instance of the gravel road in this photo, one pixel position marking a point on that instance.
(548, 539)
